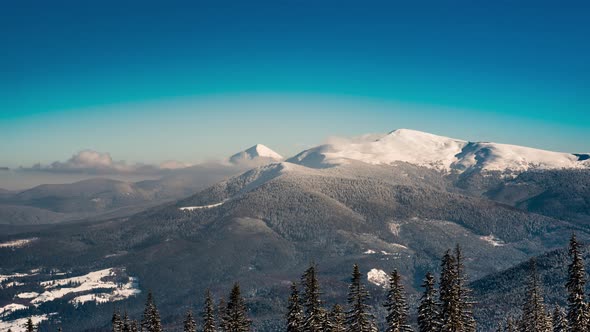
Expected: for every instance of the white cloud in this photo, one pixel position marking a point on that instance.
(95, 162)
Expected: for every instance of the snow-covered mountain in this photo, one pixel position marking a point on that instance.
(258, 151)
(438, 152)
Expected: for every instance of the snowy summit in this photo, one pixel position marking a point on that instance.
(439, 152)
(258, 151)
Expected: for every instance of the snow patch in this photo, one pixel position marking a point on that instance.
(191, 208)
(378, 277)
(18, 325)
(10, 308)
(494, 241)
(18, 243)
(370, 252)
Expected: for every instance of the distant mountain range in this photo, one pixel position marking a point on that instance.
(382, 201)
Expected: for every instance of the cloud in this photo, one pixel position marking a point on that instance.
(94, 162)
(4, 169)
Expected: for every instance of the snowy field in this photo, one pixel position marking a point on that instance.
(102, 286)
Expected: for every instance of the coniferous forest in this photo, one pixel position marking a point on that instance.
(445, 305)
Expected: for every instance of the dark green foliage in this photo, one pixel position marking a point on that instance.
(151, 316)
(428, 310)
(29, 326)
(294, 311)
(235, 313)
(577, 314)
(358, 316)
(189, 323)
(396, 305)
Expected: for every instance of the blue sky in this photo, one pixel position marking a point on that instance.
(200, 80)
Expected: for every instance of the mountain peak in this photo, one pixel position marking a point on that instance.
(258, 151)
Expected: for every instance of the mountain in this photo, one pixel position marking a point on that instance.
(107, 198)
(438, 152)
(263, 227)
(257, 152)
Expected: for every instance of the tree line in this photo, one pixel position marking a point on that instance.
(446, 308)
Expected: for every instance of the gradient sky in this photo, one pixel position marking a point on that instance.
(198, 80)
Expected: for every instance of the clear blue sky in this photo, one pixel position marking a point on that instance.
(197, 80)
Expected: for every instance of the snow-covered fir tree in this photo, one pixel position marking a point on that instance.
(311, 301)
(337, 319)
(396, 306)
(126, 323)
(559, 320)
(116, 322)
(463, 293)
(450, 313)
(222, 315)
(189, 322)
(294, 311)
(358, 316)
(577, 314)
(534, 317)
(208, 314)
(237, 319)
(150, 321)
(428, 312)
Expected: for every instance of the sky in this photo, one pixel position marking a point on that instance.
(147, 82)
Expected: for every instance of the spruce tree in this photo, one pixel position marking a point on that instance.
(577, 315)
(126, 323)
(189, 322)
(294, 311)
(463, 294)
(534, 318)
(237, 321)
(311, 301)
(337, 319)
(29, 326)
(559, 320)
(428, 313)
(396, 306)
(358, 316)
(222, 315)
(151, 317)
(450, 313)
(116, 322)
(208, 314)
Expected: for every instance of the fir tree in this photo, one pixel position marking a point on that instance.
(450, 313)
(559, 320)
(311, 301)
(237, 321)
(337, 319)
(396, 305)
(116, 322)
(463, 294)
(428, 313)
(577, 315)
(208, 314)
(151, 317)
(126, 324)
(358, 317)
(189, 322)
(29, 326)
(534, 318)
(294, 311)
(222, 314)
